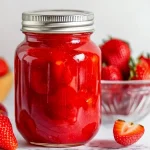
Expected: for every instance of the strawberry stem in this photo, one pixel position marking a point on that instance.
(110, 37)
(104, 41)
(148, 55)
(132, 63)
(132, 66)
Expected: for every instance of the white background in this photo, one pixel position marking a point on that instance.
(126, 19)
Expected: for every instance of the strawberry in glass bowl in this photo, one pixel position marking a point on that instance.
(6, 79)
(125, 83)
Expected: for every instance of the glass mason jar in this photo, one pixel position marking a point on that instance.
(57, 79)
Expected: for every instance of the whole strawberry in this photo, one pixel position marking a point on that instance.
(3, 67)
(111, 73)
(146, 58)
(140, 70)
(7, 138)
(117, 52)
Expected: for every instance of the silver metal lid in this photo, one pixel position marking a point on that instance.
(58, 21)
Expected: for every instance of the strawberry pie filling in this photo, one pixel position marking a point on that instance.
(57, 89)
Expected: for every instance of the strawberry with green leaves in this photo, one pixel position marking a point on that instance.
(146, 58)
(117, 52)
(140, 70)
(127, 133)
(7, 137)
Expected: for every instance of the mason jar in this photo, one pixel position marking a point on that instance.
(57, 78)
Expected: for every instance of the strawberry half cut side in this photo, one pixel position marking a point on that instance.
(127, 133)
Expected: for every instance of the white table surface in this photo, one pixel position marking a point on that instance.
(102, 141)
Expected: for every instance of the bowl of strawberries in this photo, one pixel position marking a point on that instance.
(125, 83)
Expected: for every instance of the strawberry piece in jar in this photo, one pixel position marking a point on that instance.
(63, 104)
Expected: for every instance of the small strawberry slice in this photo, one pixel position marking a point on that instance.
(127, 133)
(7, 137)
(3, 67)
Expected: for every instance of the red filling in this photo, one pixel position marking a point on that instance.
(57, 91)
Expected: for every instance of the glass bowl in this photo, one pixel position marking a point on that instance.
(126, 100)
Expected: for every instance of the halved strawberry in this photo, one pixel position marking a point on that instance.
(127, 133)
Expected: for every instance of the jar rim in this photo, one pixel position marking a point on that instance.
(58, 21)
